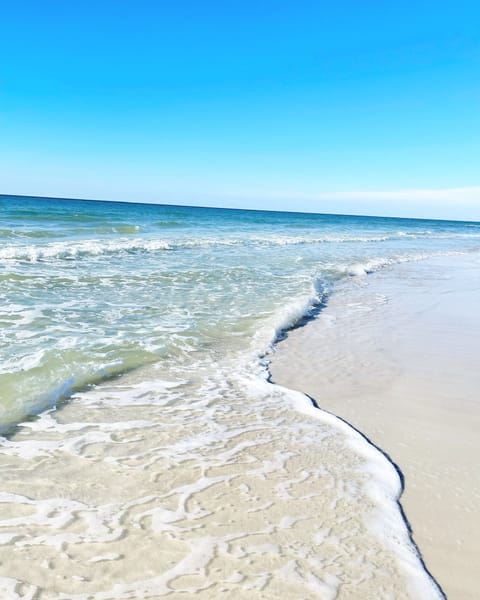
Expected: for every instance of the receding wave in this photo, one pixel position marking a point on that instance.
(303, 308)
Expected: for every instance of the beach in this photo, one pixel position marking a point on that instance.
(145, 451)
(396, 356)
(239, 301)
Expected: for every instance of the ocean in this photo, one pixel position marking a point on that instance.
(144, 451)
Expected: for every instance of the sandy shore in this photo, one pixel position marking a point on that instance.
(396, 355)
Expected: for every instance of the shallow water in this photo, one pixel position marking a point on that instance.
(163, 461)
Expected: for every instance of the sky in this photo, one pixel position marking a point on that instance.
(350, 107)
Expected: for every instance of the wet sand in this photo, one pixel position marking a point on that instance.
(396, 355)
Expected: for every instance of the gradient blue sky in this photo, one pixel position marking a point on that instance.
(353, 107)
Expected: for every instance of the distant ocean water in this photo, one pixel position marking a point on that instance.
(138, 333)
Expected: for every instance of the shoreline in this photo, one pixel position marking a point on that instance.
(393, 355)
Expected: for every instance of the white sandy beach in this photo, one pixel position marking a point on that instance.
(162, 461)
(396, 355)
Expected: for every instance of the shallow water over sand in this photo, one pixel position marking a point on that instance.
(125, 493)
(163, 461)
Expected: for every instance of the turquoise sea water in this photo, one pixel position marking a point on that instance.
(93, 289)
(162, 461)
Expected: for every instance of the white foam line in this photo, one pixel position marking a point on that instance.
(98, 247)
(376, 264)
(384, 488)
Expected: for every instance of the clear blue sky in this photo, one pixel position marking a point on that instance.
(326, 106)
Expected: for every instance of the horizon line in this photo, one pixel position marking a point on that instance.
(333, 195)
